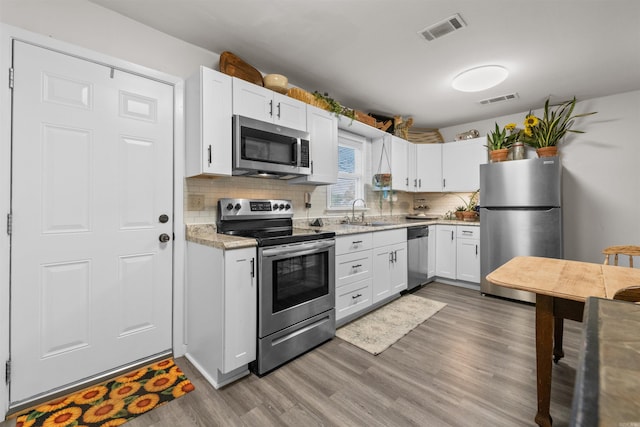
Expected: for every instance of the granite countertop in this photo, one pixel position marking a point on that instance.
(206, 234)
(608, 376)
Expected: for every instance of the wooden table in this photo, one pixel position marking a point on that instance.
(561, 288)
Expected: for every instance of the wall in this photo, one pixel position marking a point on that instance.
(601, 178)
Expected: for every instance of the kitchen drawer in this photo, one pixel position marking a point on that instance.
(468, 232)
(353, 298)
(389, 237)
(352, 267)
(353, 243)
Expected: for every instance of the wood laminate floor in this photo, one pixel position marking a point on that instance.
(471, 364)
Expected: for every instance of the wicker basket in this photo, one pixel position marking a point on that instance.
(307, 97)
(424, 136)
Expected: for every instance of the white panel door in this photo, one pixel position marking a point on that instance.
(92, 174)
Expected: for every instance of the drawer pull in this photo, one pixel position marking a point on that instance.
(467, 232)
(356, 296)
(356, 266)
(357, 242)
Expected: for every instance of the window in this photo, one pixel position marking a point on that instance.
(350, 184)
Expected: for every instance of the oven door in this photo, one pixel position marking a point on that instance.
(296, 282)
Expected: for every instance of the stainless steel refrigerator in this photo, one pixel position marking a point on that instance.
(520, 214)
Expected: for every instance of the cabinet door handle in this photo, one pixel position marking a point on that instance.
(253, 267)
(278, 110)
(271, 108)
(390, 256)
(444, 183)
(451, 235)
(415, 183)
(476, 250)
(407, 181)
(209, 154)
(311, 167)
(420, 182)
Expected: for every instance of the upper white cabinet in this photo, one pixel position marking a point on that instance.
(323, 132)
(427, 164)
(259, 103)
(208, 123)
(389, 154)
(461, 162)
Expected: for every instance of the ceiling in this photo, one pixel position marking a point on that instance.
(367, 54)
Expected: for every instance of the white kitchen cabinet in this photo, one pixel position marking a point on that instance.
(323, 132)
(389, 154)
(221, 307)
(353, 274)
(427, 159)
(260, 103)
(461, 162)
(468, 253)
(446, 251)
(208, 123)
(389, 263)
(431, 252)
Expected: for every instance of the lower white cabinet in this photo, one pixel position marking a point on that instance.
(221, 299)
(353, 274)
(431, 252)
(389, 263)
(446, 251)
(468, 254)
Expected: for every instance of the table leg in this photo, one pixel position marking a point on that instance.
(544, 350)
(558, 330)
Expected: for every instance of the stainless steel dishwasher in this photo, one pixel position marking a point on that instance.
(417, 252)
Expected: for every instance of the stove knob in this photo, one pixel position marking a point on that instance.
(230, 206)
(287, 206)
(275, 206)
(237, 206)
(281, 206)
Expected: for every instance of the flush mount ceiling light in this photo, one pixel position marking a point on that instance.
(480, 78)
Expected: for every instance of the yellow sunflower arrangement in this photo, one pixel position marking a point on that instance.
(113, 403)
(548, 130)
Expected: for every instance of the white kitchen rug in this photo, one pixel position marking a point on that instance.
(380, 329)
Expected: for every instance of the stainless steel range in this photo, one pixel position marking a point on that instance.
(296, 278)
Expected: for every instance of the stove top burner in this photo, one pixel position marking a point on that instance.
(268, 221)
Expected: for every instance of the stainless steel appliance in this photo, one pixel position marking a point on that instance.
(417, 253)
(269, 150)
(520, 214)
(296, 278)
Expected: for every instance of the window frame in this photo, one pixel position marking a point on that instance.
(356, 142)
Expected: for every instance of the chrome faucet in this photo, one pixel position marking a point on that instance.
(353, 210)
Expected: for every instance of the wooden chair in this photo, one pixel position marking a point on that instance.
(628, 250)
(631, 293)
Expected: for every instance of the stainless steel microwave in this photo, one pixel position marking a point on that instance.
(269, 150)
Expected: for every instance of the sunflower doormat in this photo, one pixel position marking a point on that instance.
(115, 402)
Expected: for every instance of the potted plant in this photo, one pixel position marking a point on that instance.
(548, 131)
(334, 106)
(458, 212)
(498, 144)
(469, 213)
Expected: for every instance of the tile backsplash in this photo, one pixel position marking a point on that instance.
(212, 189)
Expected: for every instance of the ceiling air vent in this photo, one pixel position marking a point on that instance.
(500, 98)
(442, 28)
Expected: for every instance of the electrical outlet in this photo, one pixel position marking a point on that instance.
(195, 202)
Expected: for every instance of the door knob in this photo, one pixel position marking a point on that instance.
(164, 238)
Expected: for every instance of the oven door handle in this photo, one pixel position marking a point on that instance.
(298, 250)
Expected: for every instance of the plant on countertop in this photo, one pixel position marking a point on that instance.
(469, 205)
(549, 130)
(334, 106)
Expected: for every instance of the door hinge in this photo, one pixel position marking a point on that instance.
(9, 223)
(10, 78)
(7, 371)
